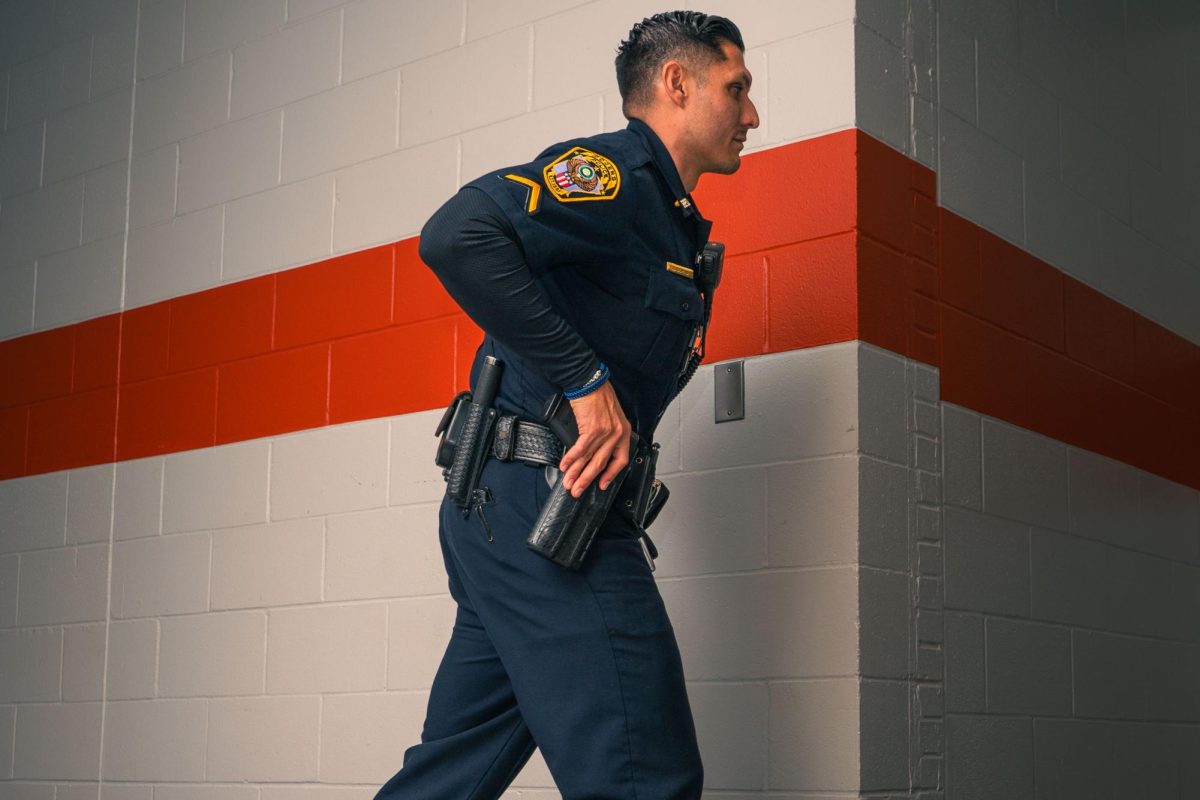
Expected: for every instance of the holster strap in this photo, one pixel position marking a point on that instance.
(526, 441)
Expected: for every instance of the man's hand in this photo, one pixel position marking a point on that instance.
(603, 444)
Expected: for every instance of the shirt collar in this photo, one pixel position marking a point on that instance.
(666, 165)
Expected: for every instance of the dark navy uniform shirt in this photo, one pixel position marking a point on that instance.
(610, 237)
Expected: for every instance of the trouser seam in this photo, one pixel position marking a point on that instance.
(620, 688)
(499, 753)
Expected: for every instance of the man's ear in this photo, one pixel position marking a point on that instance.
(673, 79)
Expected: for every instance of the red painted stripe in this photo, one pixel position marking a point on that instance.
(829, 240)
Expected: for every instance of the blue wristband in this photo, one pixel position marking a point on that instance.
(597, 380)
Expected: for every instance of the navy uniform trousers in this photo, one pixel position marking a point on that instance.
(582, 664)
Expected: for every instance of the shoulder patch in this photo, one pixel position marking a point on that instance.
(581, 174)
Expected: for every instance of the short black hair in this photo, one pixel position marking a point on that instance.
(688, 35)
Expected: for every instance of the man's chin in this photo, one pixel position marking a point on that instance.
(731, 166)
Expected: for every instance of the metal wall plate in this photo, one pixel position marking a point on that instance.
(729, 391)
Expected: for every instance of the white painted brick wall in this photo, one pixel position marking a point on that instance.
(180, 256)
(291, 224)
(216, 487)
(79, 283)
(231, 161)
(87, 136)
(104, 201)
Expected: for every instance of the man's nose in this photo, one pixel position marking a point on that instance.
(750, 120)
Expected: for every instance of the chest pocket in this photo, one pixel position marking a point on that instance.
(674, 294)
(678, 300)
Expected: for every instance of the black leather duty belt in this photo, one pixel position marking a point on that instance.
(521, 440)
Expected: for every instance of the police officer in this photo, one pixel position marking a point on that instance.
(579, 266)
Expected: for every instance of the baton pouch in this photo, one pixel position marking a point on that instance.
(470, 453)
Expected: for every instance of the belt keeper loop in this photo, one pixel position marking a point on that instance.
(502, 447)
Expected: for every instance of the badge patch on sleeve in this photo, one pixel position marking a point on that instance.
(581, 174)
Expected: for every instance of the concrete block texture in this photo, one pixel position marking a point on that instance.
(54, 80)
(884, 744)
(74, 728)
(384, 34)
(83, 662)
(716, 522)
(63, 585)
(9, 569)
(155, 740)
(112, 60)
(351, 657)
(814, 735)
(484, 96)
(263, 739)
(883, 609)
(811, 83)
(42, 221)
(88, 136)
(224, 24)
(731, 725)
(137, 498)
(267, 565)
(813, 510)
(160, 37)
(363, 736)
(183, 102)
(882, 410)
(1024, 476)
(987, 563)
(803, 624)
(1068, 579)
(33, 512)
(989, 757)
(132, 659)
(180, 256)
(21, 159)
(152, 186)
(79, 283)
(413, 477)
(31, 662)
(161, 575)
(216, 487)
(817, 385)
(234, 160)
(418, 631)
(212, 654)
(339, 468)
(104, 203)
(370, 207)
(384, 553)
(882, 99)
(280, 227)
(1028, 668)
(16, 298)
(297, 61)
(317, 139)
(980, 179)
(965, 665)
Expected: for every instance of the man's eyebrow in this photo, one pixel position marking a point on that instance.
(745, 78)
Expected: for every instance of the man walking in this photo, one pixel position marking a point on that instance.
(585, 270)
